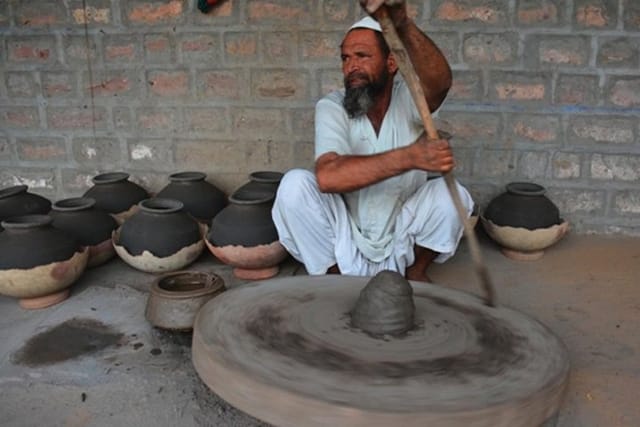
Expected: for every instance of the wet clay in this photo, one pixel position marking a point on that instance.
(385, 305)
(74, 338)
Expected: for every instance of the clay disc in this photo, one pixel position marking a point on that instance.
(283, 350)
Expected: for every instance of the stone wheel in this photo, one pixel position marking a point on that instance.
(284, 351)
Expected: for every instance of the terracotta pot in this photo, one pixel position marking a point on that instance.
(244, 236)
(523, 205)
(261, 184)
(91, 227)
(160, 237)
(114, 193)
(17, 201)
(201, 199)
(175, 298)
(38, 262)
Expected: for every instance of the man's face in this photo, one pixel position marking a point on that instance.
(364, 67)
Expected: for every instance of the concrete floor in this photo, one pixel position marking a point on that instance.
(97, 361)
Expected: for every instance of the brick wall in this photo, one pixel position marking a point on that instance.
(544, 90)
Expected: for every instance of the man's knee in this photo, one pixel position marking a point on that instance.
(295, 184)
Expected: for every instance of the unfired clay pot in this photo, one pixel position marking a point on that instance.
(261, 184)
(201, 199)
(175, 298)
(17, 201)
(38, 263)
(114, 193)
(243, 235)
(160, 237)
(91, 227)
(523, 221)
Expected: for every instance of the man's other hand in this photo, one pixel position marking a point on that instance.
(433, 155)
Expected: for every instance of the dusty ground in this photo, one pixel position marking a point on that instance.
(94, 360)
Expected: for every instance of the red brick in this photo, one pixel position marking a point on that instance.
(96, 150)
(467, 85)
(540, 12)
(337, 11)
(222, 84)
(449, 45)
(627, 202)
(615, 167)
(110, 83)
(35, 50)
(473, 127)
(259, 123)
(168, 83)
(155, 11)
(5, 149)
(624, 91)
(58, 84)
(156, 154)
(631, 15)
(321, 46)
(610, 129)
(471, 11)
(38, 13)
(76, 50)
(76, 118)
(330, 80)
(280, 10)
(618, 52)
(158, 48)
(41, 149)
(577, 89)
(557, 50)
(215, 156)
(566, 165)
(157, 120)
(596, 13)
(490, 48)
(200, 48)
(39, 180)
(21, 85)
(535, 128)
(268, 155)
(279, 47)
(241, 46)
(204, 119)
(121, 49)
(280, 84)
(19, 117)
(520, 87)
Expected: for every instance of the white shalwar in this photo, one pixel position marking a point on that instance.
(374, 228)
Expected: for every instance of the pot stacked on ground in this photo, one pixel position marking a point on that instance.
(38, 263)
(160, 237)
(91, 227)
(17, 201)
(243, 234)
(524, 221)
(115, 194)
(201, 199)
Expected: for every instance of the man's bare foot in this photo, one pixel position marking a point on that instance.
(417, 276)
(333, 270)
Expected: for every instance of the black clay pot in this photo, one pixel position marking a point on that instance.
(245, 222)
(114, 193)
(201, 199)
(17, 201)
(261, 184)
(161, 227)
(523, 205)
(89, 226)
(29, 241)
(38, 262)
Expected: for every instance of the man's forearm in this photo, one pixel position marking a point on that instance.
(342, 174)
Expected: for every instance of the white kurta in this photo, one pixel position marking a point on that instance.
(377, 227)
(373, 209)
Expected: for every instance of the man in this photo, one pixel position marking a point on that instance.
(369, 206)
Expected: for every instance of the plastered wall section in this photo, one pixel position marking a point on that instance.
(546, 91)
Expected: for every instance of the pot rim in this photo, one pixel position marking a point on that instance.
(526, 188)
(13, 190)
(245, 198)
(110, 177)
(160, 205)
(211, 283)
(187, 176)
(74, 204)
(270, 177)
(24, 222)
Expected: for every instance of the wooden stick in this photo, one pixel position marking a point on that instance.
(413, 82)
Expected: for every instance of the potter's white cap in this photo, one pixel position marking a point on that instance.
(367, 22)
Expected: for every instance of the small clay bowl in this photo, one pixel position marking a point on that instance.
(175, 298)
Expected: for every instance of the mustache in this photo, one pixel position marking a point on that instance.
(353, 75)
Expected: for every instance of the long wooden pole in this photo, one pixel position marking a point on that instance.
(413, 82)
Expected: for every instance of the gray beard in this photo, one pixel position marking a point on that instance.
(358, 100)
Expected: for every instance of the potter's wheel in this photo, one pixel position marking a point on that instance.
(283, 351)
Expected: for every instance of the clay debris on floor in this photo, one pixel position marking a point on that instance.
(94, 360)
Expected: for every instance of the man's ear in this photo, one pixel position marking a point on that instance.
(392, 65)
